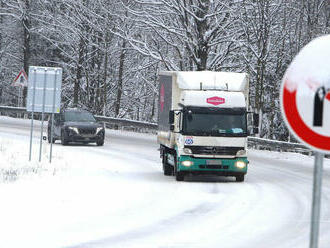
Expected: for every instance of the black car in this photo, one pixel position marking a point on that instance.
(75, 125)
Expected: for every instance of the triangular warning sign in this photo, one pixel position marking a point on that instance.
(21, 79)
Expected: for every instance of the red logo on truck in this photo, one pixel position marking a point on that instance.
(215, 100)
(162, 98)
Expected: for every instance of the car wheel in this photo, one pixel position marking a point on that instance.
(240, 178)
(64, 141)
(49, 137)
(100, 143)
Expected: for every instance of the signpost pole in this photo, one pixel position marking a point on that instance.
(53, 111)
(316, 206)
(43, 113)
(32, 112)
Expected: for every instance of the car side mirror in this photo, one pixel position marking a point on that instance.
(255, 130)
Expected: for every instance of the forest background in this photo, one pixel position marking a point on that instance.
(112, 50)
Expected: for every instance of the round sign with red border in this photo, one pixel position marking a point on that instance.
(305, 95)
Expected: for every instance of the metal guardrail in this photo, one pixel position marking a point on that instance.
(4, 109)
(127, 122)
(110, 120)
(253, 142)
(275, 145)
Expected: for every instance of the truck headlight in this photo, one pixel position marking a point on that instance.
(187, 150)
(75, 129)
(99, 129)
(240, 164)
(187, 163)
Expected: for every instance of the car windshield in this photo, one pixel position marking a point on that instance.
(79, 117)
(215, 124)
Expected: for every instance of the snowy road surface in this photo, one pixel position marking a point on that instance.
(117, 196)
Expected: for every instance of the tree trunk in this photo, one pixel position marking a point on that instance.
(202, 26)
(120, 78)
(105, 78)
(26, 23)
(79, 73)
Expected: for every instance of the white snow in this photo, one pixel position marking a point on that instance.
(311, 66)
(192, 80)
(117, 196)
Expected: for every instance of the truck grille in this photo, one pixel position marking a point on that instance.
(209, 166)
(214, 150)
(87, 131)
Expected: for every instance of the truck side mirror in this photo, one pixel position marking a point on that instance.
(171, 117)
(253, 130)
(172, 127)
(255, 120)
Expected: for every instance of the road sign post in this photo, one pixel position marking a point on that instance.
(316, 205)
(32, 110)
(53, 111)
(44, 96)
(305, 105)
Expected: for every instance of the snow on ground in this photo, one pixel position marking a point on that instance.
(117, 196)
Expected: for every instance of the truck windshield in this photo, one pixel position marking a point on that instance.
(79, 117)
(215, 124)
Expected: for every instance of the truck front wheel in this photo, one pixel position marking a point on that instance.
(240, 178)
(179, 175)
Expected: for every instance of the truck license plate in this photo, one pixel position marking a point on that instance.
(213, 162)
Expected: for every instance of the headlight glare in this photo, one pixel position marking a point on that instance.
(187, 150)
(241, 153)
(99, 129)
(75, 129)
(240, 164)
(187, 163)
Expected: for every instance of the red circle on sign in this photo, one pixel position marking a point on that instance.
(296, 123)
(327, 96)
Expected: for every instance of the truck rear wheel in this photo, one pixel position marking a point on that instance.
(240, 178)
(167, 168)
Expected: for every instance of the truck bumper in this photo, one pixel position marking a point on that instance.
(215, 166)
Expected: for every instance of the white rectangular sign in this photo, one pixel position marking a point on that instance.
(42, 83)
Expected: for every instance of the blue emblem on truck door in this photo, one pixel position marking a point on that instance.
(189, 141)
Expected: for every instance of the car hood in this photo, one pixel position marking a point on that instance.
(83, 124)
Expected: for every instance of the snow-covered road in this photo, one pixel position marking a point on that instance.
(117, 196)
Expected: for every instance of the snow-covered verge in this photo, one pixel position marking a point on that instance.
(14, 159)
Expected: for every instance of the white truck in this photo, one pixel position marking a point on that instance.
(202, 123)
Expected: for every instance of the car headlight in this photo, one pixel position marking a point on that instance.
(187, 150)
(99, 129)
(240, 164)
(187, 163)
(75, 129)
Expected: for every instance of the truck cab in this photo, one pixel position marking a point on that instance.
(206, 130)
